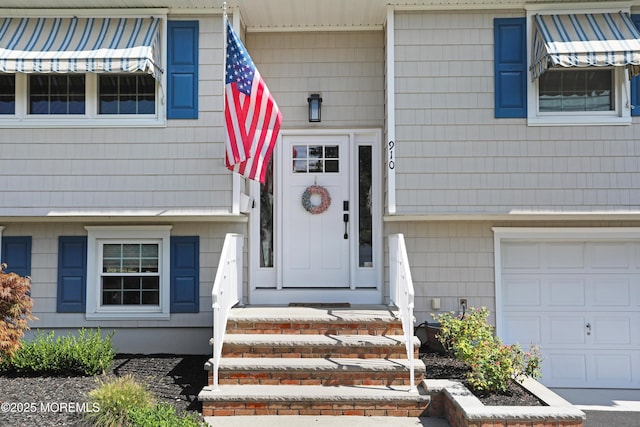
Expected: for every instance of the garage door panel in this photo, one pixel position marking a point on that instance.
(564, 330)
(521, 255)
(524, 330)
(611, 331)
(611, 369)
(565, 291)
(563, 255)
(564, 368)
(522, 292)
(612, 292)
(610, 255)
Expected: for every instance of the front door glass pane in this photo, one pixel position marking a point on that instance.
(365, 222)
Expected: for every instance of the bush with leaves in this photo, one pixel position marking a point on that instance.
(114, 398)
(163, 414)
(88, 353)
(15, 311)
(470, 338)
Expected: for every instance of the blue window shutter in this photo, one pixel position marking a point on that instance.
(182, 69)
(510, 63)
(185, 274)
(72, 274)
(635, 82)
(16, 253)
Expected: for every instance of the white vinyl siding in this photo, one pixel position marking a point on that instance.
(454, 157)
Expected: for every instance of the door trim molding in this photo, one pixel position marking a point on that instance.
(262, 282)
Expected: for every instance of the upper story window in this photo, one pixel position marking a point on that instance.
(7, 94)
(55, 94)
(579, 65)
(127, 94)
(577, 91)
(85, 71)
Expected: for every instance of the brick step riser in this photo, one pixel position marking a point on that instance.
(394, 352)
(368, 409)
(370, 328)
(392, 378)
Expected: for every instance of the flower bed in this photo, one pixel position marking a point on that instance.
(452, 400)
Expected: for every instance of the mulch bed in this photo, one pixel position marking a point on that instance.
(440, 366)
(58, 400)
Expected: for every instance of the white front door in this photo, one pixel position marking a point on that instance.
(316, 212)
(325, 246)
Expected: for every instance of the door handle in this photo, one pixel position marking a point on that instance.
(345, 218)
(588, 328)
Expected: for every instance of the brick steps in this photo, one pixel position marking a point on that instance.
(311, 361)
(326, 372)
(312, 400)
(316, 346)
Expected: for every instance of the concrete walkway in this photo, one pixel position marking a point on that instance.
(312, 421)
(605, 407)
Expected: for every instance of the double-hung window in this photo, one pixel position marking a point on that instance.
(128, 272)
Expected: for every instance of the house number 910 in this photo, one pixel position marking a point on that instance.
(392, 163)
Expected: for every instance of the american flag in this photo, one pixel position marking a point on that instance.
(252, 117)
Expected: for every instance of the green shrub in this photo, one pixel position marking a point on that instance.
(86, 354)
(162, 415)
(493, 364)
(115, 397)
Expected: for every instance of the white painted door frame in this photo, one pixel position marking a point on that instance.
(365, 284)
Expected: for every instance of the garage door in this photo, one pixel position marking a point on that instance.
(580, 301)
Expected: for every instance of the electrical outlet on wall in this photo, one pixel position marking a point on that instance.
(463, 304)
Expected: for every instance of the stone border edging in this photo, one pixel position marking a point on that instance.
(462, 408)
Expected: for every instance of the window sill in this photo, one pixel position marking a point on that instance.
(578, 121)
(64, 122)
(123, 315)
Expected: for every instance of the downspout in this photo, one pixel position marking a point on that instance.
(391, 111)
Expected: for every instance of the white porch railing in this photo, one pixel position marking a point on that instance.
(402, 294)
(227, 292)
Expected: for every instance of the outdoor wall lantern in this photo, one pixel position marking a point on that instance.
(315, 107)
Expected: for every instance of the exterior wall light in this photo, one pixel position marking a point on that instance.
(315, 107)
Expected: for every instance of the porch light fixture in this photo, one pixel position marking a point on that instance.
(315, 107)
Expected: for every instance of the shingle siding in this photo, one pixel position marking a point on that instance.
(346, 68)
(180, 166)
(453, 156)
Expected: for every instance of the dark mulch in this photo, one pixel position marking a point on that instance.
(440, 366)
(58, 400)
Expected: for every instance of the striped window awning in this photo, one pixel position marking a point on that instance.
(80, 45)
(583, 40)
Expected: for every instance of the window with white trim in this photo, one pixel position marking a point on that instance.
(128, 272)
(580, 96)
(83, 70)
(576, 95)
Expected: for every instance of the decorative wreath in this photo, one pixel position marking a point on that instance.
(325, 199)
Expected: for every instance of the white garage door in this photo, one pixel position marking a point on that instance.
(580, 301)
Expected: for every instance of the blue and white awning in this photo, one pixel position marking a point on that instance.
(583, 40)
(80, 45)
